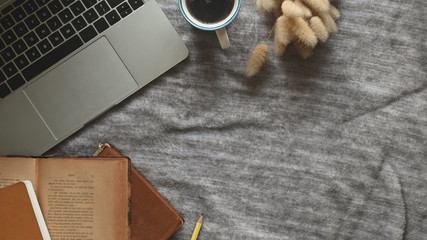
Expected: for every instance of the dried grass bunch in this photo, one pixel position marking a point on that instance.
(304, 23)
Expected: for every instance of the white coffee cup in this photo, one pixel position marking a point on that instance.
(217, 26)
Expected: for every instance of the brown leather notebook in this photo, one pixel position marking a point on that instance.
(152, 217)
(20, 214)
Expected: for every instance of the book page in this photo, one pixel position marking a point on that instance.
(85, 199)
(13, 170)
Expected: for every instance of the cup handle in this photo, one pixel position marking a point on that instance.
(223, 38)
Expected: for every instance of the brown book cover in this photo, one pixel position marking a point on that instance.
(20, 215)
(79, 197)
(152, 217)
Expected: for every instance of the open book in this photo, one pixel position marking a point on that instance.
(20, 214)
(80, 198)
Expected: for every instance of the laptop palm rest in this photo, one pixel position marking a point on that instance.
(81, 88)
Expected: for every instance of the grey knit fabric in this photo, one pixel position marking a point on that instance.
(332, 147)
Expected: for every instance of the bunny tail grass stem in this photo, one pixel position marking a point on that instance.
(271, 32)
(303, 50)
(318, 5)
(260, 5)
(319, 29)
(335, 14)
(305, 9)
(283, 30)
(290, 9)
(279, 48)
(303, 32)
(268, 5)
(257, 59)
(277, 9)
(329, 22)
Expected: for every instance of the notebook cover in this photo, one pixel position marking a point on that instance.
(152, 217)
(17, 218)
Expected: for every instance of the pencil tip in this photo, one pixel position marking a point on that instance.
(200, 219)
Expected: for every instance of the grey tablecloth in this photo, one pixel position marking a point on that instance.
(334, 147)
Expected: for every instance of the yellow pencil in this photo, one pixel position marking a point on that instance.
(197, 228)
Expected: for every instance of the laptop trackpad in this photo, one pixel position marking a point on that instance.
(81, 88)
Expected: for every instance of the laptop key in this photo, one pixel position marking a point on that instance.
(42, 2)
(101, 25)
(33, 54)
(30, 6)
(102, 8)
(16, 81)
(8, 37)
(4, 90)
(18, 14)
(42, 31)
(56, 39)
(10, 69)
(77, 8)
(112, 17)
(65, 15)
(67, 31)
(90, 15)
(21, 62)
(2, 45)
(55, 6)
(79, 23)
(88, 33)
(17, 3)
(20, 29)
(19, 46)
(67, 2)
(89, 3)
(43, 14)
(136, 3)
(2, 77)
(124, 9)
(125, 12)
(7, 9)
(31, 39)
(8, 54)
(32, 21)
(51, 58)
(7, 22)
(114, 3)
(1, 63)
(54, 23)
(44, 46)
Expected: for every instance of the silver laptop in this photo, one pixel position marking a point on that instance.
(65, 62)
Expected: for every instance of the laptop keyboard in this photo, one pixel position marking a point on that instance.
(36, 34)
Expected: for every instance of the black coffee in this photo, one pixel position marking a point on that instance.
(210, 11)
